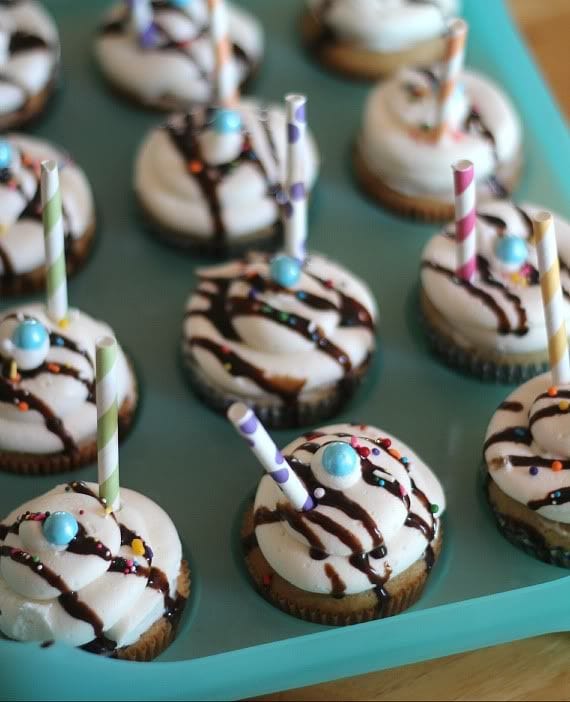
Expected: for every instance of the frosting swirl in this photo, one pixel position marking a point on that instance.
(501, 308)
(485, 130)
(220, 187)
(22, 246)
(51, 408)
(361, 532)
(257, 339)
(29, 53)
(178, 70)
(95, 587)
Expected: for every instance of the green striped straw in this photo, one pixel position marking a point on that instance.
(107, 423)
(56, 280)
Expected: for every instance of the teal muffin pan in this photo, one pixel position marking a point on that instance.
(231, 643)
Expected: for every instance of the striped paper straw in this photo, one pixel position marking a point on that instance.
(549, 270)
(465, 219)
(296, 206)
(56, 280)
(141, 21)
(452, 67)
(107, 422)
(252, 430)
(225, 76)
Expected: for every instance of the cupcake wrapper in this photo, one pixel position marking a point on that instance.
(312, 408)
(33, 108)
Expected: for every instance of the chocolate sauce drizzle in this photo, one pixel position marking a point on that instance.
(511, 406)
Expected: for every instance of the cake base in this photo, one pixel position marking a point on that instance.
(485, 364)
(402, 591)
(360, 63)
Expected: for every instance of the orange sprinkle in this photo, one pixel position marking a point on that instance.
(556, 466)
(396, 454)
(53, 367)
(195, 167)
(23, 406)
(552, 392)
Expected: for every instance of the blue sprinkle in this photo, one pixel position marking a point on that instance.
(375, 451)
(382, 483)
(557, 493)
(405, 460)
(520, 431)
(301, 295)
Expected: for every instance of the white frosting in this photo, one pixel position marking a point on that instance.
(415, 166)
(288, 551)
(473, 322)
(66, 396)
(21, 239)
(184, 74)
(29, 605)
(545, 440)
(385, 25)
(173, 196)
(284, 355)
(27, 72)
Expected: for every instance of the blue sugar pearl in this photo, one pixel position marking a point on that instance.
(60, 528)
(375, 451)
(226, 121)
(30, 335)
(6, 154)
(285, 270)
(533, 470)
(511, 250)
(340, 459)
(520, 431)
(557, 493)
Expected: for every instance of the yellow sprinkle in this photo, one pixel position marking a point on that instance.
(564, 404)
(3, 229)
(138, 547)
(63, 323)
(13, 370)
(227, 366)
(108, 510)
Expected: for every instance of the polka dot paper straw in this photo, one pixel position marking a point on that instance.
(250, 428)
(549, 271)
(56, 281)
(296, 206)
(225, 76)
(465, 219)
(453, 65)
(107, 422)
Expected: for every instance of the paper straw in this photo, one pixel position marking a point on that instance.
(107, 422)
(452, 67)
(549, 271)
(56, 280)
(465, 219)
(252, 430)
(296, 206)
(141, 21)
(225, 75)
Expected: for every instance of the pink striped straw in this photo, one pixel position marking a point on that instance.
(465, 219)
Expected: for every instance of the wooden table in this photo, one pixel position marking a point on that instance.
(535, 669)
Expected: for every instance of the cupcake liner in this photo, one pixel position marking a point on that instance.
(161, 634)
(32, 109)
(34, 280)
(404, 590)
(48, 464)
(311, 408)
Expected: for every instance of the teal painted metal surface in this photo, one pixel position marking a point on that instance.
(231, 643)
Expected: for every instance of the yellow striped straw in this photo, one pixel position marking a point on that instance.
(452, 67)
(549, 271)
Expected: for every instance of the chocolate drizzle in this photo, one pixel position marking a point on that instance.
(511, 406)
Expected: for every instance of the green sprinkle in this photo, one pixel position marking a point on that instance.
(434, 509)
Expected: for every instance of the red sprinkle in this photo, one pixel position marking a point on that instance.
(364, 451)
(386, 443)
(267, 580)
(329, 284)
(225, 349)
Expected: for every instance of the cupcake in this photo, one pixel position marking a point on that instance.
(71, 573)
(29, 56)
(527, 453)
(493, 325)
(419, 122)
(363, 545)
(371, 39)
(160, 54)
(48, 417)
(22, 251)
(211, 180)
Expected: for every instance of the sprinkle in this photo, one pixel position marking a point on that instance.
(557, 494)
(63, 323)
(301, 295)
(403, 492)
(130, 563)
(227, 367)
(138, 547)
(266, 580)
(225, 349)
(319, 493)
(363, 427)
(53, 367)
(375, 451)
(434, 509)
(520, 431)
(364, 451)
(564, 405)
(386, 443)
(405, 460)
(381, 482)
(99, 546)
(353, 441)
(107, 554)
(533, 470)
(329, 284)
(36, 559)
(552, 392)
(14, 375)
(23, 406)
(81, 511)
(195, 167)
(59, 341)
(283, 316)
(39, 566)
(556, 466)
(395, 454)
(266, 309)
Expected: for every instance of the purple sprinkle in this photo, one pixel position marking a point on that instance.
(288, 210)
(252, 294)
(293, 133)
(300, 114)
(309, 504)
(149, 37)
(249, 426)
(281, 197)
(533, 470)
(280, 476)
(297, 191)
(375, 451)
(279, 457)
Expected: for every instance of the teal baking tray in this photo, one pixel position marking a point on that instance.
(232, 643)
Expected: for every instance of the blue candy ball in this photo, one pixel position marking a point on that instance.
(30, 335)
(285, 270)
(511, 250)
(60, 528)
(340, 459)
(226, 121)
(6, 154)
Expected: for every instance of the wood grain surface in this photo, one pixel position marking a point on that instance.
(535, 669)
